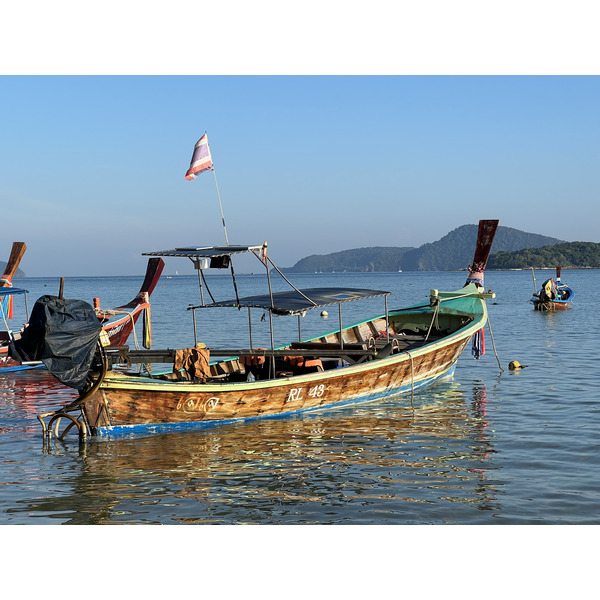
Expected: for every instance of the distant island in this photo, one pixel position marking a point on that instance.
(569, 255)
(452, 252)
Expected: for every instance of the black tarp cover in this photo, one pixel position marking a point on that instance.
(63, 335)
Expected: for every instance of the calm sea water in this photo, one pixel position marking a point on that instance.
(486, 447)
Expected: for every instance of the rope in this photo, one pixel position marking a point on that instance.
(440, 299)
(122, 312)
(290, 283)
(412, 380)
(493, 344)
(201, 271)
(434, 321)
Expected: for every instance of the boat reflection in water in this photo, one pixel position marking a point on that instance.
(23, 395)
(377, 463)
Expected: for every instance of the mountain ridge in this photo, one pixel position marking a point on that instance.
(453, 251)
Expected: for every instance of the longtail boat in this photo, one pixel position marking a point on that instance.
(8, 294)
(399, 351)
(553, 295)
(117, 323)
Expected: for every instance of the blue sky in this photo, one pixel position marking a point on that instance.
(92, 167)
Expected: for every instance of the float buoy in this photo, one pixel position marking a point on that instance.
(515, 365)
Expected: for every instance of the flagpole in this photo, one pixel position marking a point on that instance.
(237, 297)
(202, 161)
(220, 206)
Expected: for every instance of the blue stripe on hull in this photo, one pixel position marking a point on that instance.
(124, 430)
(20, 368)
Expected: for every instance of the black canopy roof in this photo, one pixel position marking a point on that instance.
(205, 252)
(295, 302)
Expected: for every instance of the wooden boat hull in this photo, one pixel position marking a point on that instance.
(126, 404)
(551, 305)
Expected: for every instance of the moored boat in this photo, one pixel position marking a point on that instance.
(398, 351)
(117, 323)
(553, 295)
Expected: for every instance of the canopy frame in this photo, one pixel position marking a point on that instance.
(295, 302)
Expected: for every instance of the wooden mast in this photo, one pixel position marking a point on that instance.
(16, 254)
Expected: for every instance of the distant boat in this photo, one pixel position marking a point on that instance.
(553, 295)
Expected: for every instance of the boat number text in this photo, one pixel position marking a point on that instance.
(197, 404)
(296, 394)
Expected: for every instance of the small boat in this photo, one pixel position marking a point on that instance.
(8, 293)
(398, 351)
(553, 295)
(117, 323)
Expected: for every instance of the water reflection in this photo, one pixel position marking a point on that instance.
(24, 395)
(370, 464)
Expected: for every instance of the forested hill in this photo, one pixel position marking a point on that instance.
(453, 251)
(359, 259)
(18, 272)
(567, 255)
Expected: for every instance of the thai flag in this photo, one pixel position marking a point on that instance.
(201, 159)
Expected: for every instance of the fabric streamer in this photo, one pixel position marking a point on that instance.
(478, 348)
(8, 300)
(147, 329)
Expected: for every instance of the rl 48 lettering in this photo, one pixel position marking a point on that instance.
(317, 391)
(295, 394)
